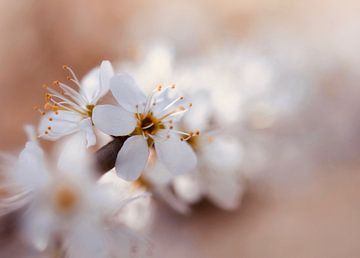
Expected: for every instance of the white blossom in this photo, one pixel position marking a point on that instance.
(149, 121)
(68, 111)
(67, 211)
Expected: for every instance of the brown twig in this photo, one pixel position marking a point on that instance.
(106, 156)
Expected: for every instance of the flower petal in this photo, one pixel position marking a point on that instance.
(187, 188)
(30, 171)
(113, 120)
(176, 155)
(106, 73)
(37, 226)
(59, 125)
(87, 128)
(225, 191)
(90, 85)
(132, 158)
(126, 92)
(96, 83)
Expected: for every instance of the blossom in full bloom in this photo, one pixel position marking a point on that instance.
(68, 111)
(149, 122)
(67, 213)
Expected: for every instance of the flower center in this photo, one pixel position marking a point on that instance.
(148, 125)
(65, 199)
(90, 109)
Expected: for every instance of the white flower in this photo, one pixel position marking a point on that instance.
(217, 176)
(67, 210)
(137, 215)
(70, 111)
(149, 122)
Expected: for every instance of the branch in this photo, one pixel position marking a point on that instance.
(106, 156)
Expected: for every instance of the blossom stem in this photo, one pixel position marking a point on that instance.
(106, 156)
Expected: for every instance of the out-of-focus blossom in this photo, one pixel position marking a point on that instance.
(67, 212)
(69, 110)
(150, 122)
(138, 214)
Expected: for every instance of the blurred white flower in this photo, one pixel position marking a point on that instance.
(150, 122)
(70, 111)
(137, 215)
(67, 211)
(218, 176)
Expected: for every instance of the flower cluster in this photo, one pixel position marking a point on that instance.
(91, 204)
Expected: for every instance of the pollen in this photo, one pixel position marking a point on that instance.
(51, 119)
(65, 199)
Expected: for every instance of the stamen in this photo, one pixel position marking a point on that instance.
(173, 113)
(173, 102)
(65, 67)
(36, 108)
(148, 126)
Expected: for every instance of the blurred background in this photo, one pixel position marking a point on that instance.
(293, 66)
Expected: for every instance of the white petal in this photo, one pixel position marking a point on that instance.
(90, 85)
(106, 73)
(87, 128)
(201, 111)
(126, 92)
(224, 190)
(187, 188)
(37, 225)
(72, 154)
(86, 239)
(113, 120)
(132, 158)
(228, 148)
(168, 197)
(30, 171)
(176, 155)
(64, 123)
(157, 174)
